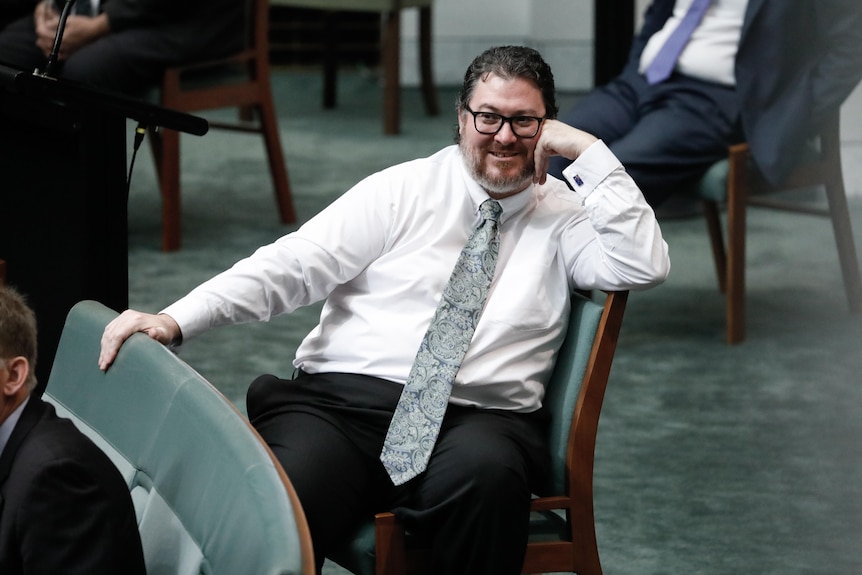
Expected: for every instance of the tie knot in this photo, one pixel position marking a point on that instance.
(491, 210)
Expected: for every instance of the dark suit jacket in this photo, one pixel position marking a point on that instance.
(64, 507)
(798, 60)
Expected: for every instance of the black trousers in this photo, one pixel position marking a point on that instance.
(128, 61)
(471, 504)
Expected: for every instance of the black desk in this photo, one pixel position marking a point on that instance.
(63, 195)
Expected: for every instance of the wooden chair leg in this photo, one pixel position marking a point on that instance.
(390, 58)
(429, 93)
(839, 212)
(169, 182)
(841, 227)
(2, 272)
(390, 545)
(716, 240)
(737, 195)
(277, 165)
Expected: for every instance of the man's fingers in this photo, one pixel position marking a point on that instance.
(118, 331)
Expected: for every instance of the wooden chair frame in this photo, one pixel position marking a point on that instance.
(745, 186)
(390, 52)
(248, 88)
(577, 552)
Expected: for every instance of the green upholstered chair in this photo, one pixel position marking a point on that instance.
(736, 183)
(562, 525)
(209, 497)
(390, 47)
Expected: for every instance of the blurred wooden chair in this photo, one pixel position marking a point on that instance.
(736, 183)
(390, 47)
(2, 272)
(241, 81)
(562, 522)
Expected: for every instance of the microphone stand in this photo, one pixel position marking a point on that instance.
(58, 38)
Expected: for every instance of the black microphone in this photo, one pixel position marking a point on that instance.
(58, 38)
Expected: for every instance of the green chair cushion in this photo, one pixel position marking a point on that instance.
(713, 185)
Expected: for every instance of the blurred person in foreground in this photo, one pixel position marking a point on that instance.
(64, 507)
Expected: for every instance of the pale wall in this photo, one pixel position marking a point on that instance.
(560, 29)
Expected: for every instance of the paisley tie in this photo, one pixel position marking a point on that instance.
(416, 422)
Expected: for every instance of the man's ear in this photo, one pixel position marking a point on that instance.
(462, 121)
(17, 370)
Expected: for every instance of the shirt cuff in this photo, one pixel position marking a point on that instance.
(591, 168)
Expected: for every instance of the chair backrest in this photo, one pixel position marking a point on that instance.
(225, 81)
(575, 392)
(562, 525)
(209, 496)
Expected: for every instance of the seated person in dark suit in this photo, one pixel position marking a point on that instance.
(754, 70)
(64, 507)
(124, 45)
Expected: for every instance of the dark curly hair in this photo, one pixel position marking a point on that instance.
(510, 62)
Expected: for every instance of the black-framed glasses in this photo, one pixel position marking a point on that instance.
(489, 123)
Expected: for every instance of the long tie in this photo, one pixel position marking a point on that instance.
(664, 62)
(416, 421)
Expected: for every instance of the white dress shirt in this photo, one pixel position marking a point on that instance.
(381, 254)
(710, 54)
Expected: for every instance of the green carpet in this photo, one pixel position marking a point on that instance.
(710, 460)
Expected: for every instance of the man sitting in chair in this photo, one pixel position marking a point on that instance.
(703, 75)
(123, 45)
(64, 507)
(450, 438)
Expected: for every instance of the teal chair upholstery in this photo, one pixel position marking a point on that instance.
(208, 495)
(736, 184)
(562, 524)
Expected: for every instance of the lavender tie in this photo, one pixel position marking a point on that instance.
(416, 421)
(662, 66)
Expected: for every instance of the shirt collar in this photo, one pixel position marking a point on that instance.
(7, 426)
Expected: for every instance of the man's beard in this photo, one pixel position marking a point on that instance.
(499, 185)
